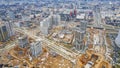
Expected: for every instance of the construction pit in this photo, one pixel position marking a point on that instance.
(19, 57)
(91, 59)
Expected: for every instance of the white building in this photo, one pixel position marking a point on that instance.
(80, 17)
(18, 24)
(107, 14)
(117, 40)
(36, 49)
(48, 23)
(44, 26)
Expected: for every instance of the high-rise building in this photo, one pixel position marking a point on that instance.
(36, 49)
(97, 16)
(3, 33)
(55, 19)
(44, 26)
(6, 30)
(48, 23)
(116, 54)
(79, 36)
(83, 25)
(78, 40)
(9, 26)
(23, 41)
(117, 40)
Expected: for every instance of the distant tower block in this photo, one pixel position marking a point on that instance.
(117, 40)
(23, 41)
(36, 49)
(48, 23)
(83, 25)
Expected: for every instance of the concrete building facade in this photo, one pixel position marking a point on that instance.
(83, 25)
(117, 40)
(6, 30)
(10, 29)
(78, 40)
(48, 23)
(3, 33)
(79, 32)
(23, 41)
(36, 49)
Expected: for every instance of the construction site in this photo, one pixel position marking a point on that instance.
(56, 49)
(23, 57)
(59, 34)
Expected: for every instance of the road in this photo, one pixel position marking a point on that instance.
(107, 27)
(98, 21)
